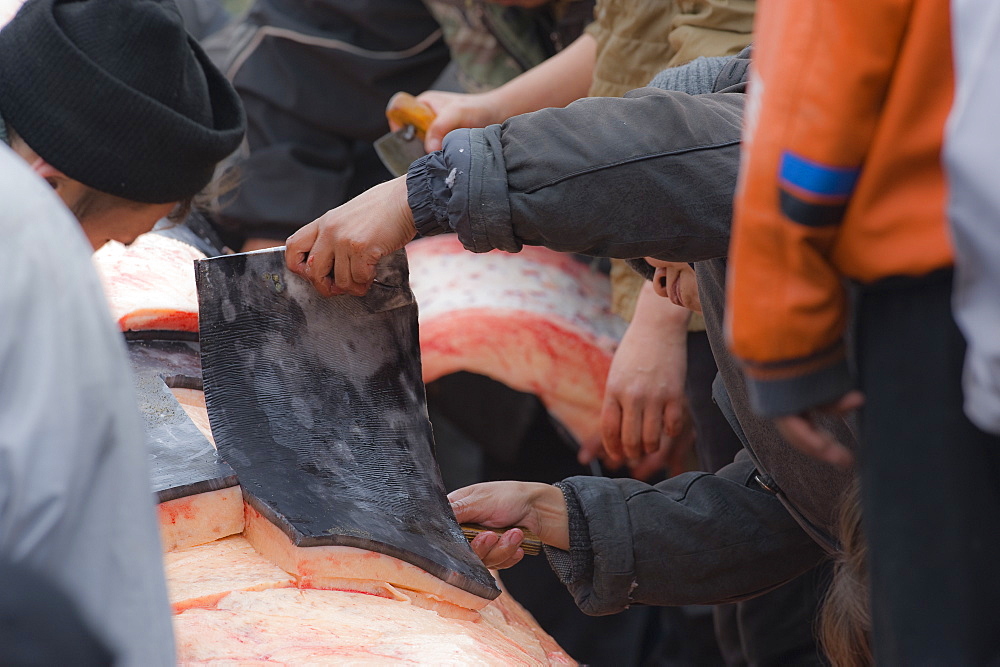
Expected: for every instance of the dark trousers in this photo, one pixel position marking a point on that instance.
(777, 628)
(930, 483)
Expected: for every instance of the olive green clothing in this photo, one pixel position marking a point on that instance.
(491, 44)
(636, 39)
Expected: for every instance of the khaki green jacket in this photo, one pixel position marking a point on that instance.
(636, 39)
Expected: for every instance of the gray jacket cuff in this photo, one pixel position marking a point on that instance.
(486, 225)
(577, 563)
(789, 396)
(611, 578)
(442, 187)
(431, 184)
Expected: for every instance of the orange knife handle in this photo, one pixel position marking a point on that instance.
(405, 109)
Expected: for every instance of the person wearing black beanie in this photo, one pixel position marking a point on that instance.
(117, 107)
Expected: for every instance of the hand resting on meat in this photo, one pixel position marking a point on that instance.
(540, 508)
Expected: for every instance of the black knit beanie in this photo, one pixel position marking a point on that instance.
(116, 94)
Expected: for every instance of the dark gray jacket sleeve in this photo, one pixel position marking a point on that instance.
(652, 173)
(696, 538)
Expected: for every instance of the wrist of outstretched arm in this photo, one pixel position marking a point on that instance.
(658, 337)
(654, 311)
(657, 316)
(399, 197)
(552, 514)
(658, 321)
(502, 102)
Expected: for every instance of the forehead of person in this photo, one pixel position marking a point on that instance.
(117, 97)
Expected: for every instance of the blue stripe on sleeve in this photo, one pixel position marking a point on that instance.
(817, 178)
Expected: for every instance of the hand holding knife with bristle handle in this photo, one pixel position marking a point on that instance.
(532, 544)
(399, 149)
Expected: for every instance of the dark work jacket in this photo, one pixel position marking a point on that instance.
(315, 77)
(650, 174)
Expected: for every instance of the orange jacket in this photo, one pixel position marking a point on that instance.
(841, 178)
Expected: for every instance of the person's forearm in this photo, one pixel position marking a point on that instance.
(654, 313)
(644, 399)
(549, 507)
(563, 78)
